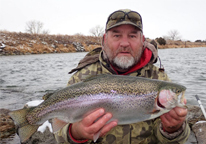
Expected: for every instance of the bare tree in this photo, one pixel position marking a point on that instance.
(97, 31)
(174, 35)
(35, 27)
(45, 32)
(78, 34)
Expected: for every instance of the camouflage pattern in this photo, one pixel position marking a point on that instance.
(124, 16)
(147, 132)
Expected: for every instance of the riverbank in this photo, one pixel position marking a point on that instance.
(181, 44)
(12, 43)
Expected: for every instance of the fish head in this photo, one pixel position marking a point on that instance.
(171, 95)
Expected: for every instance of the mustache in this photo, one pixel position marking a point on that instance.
(119, 50)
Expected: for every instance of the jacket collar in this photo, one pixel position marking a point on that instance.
(145, 59)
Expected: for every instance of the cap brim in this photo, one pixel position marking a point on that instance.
(123, 23)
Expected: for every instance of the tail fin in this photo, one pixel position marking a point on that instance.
(24, 129)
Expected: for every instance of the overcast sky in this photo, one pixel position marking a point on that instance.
(79, 16)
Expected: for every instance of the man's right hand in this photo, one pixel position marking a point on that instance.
(87, 127)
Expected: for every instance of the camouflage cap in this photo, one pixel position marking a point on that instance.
(124, 16)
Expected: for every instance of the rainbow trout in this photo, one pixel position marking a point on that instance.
(129, 99)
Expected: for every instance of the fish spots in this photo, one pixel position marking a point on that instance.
(113, 91)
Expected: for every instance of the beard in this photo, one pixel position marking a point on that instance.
(123, 62)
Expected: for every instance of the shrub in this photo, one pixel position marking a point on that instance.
(198, 41)
(161, 41)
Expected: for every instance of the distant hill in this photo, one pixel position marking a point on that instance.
(12, 43)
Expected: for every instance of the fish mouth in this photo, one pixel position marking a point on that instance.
(159, 104)
(181, 99)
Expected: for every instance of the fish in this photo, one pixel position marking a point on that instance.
(130, 99)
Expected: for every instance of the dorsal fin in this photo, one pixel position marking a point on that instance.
(47, 95)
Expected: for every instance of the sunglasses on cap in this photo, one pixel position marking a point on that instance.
(121, 17)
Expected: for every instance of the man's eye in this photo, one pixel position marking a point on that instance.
(116, 36)
(133, 36)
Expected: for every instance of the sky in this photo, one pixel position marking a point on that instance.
(79, 16)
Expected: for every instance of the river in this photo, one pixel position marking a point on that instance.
(28, 77)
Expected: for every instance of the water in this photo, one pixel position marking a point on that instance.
(28, 77)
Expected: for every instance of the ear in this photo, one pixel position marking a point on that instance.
(143, 41)
(143, 38)
(103, 40)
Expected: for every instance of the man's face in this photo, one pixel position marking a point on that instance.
(123, 46)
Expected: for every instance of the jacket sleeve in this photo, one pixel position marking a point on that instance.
(61, 135)
(179, 139)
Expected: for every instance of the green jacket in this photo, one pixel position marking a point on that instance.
(147, 132)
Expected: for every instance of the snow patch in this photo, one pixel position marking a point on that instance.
(34, 103)
(42, 128)
(2, 45)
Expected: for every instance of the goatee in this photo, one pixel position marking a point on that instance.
(123, 62)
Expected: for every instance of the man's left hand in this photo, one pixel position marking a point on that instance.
(174, 119)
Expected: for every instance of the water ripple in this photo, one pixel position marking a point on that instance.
(29, 77)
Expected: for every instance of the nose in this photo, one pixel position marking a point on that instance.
(124, 42)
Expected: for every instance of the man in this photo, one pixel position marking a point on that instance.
(124, 52)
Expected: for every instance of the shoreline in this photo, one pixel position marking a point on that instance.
(12, 43)
(10, 52)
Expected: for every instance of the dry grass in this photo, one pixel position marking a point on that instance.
(180, 44)
(24, 43)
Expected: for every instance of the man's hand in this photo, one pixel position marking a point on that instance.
(174, 119)
(87, 127)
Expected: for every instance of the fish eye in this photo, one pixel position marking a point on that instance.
(177, 91)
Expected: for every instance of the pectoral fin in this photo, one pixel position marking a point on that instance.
(57, 124)
(96, 136)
